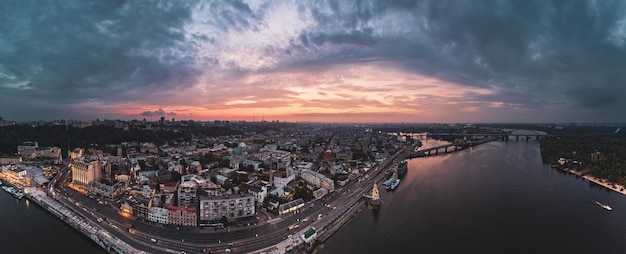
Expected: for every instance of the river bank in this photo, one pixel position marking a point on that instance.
(602, 182)
(95, 232)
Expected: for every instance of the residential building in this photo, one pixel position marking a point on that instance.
(317, 180)
(107, 191)
(140, 208)
(213, 208)
(158, 215)
(319, 193)
(187, 192)
(182, 216)
(259, 193)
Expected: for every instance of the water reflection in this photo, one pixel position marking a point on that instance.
(494, 198)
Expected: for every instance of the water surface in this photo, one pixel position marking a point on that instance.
(495, 198)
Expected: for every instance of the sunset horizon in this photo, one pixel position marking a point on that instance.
(327, 61)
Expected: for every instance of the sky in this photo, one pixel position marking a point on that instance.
(314, 61)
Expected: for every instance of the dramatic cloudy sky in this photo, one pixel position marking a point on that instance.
(400, 61)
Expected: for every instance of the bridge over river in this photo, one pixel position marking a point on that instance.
(475, 139)
(501, 135)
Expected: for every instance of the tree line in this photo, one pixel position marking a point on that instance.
(71, 137)
(591, 150)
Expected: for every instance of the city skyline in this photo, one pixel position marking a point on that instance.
(320, 61)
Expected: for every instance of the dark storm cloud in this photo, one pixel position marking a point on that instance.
(570, 51)
(72, 50)
(533, 54)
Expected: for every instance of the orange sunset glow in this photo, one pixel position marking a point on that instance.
(311, 61)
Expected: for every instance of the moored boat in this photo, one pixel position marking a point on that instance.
(14, 192)
(389, 181)
(395, 184)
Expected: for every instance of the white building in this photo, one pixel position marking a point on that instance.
(158, 215)
(259, 193)
(317, 180)
(281, 182)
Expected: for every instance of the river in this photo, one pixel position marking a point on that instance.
(27, 228)
(494, 198)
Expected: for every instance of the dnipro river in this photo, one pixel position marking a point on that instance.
(495, 198)
(27, 228)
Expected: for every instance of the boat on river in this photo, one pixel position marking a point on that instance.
(607, 207)
(14, 192)
(394, 185)
(389, 181)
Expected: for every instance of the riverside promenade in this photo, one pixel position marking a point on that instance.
(603, 182)
(96, 233)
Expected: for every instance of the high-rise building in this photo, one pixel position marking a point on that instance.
(85, 171)
(187, 194)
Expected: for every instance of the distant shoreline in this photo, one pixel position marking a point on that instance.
(603, 182)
